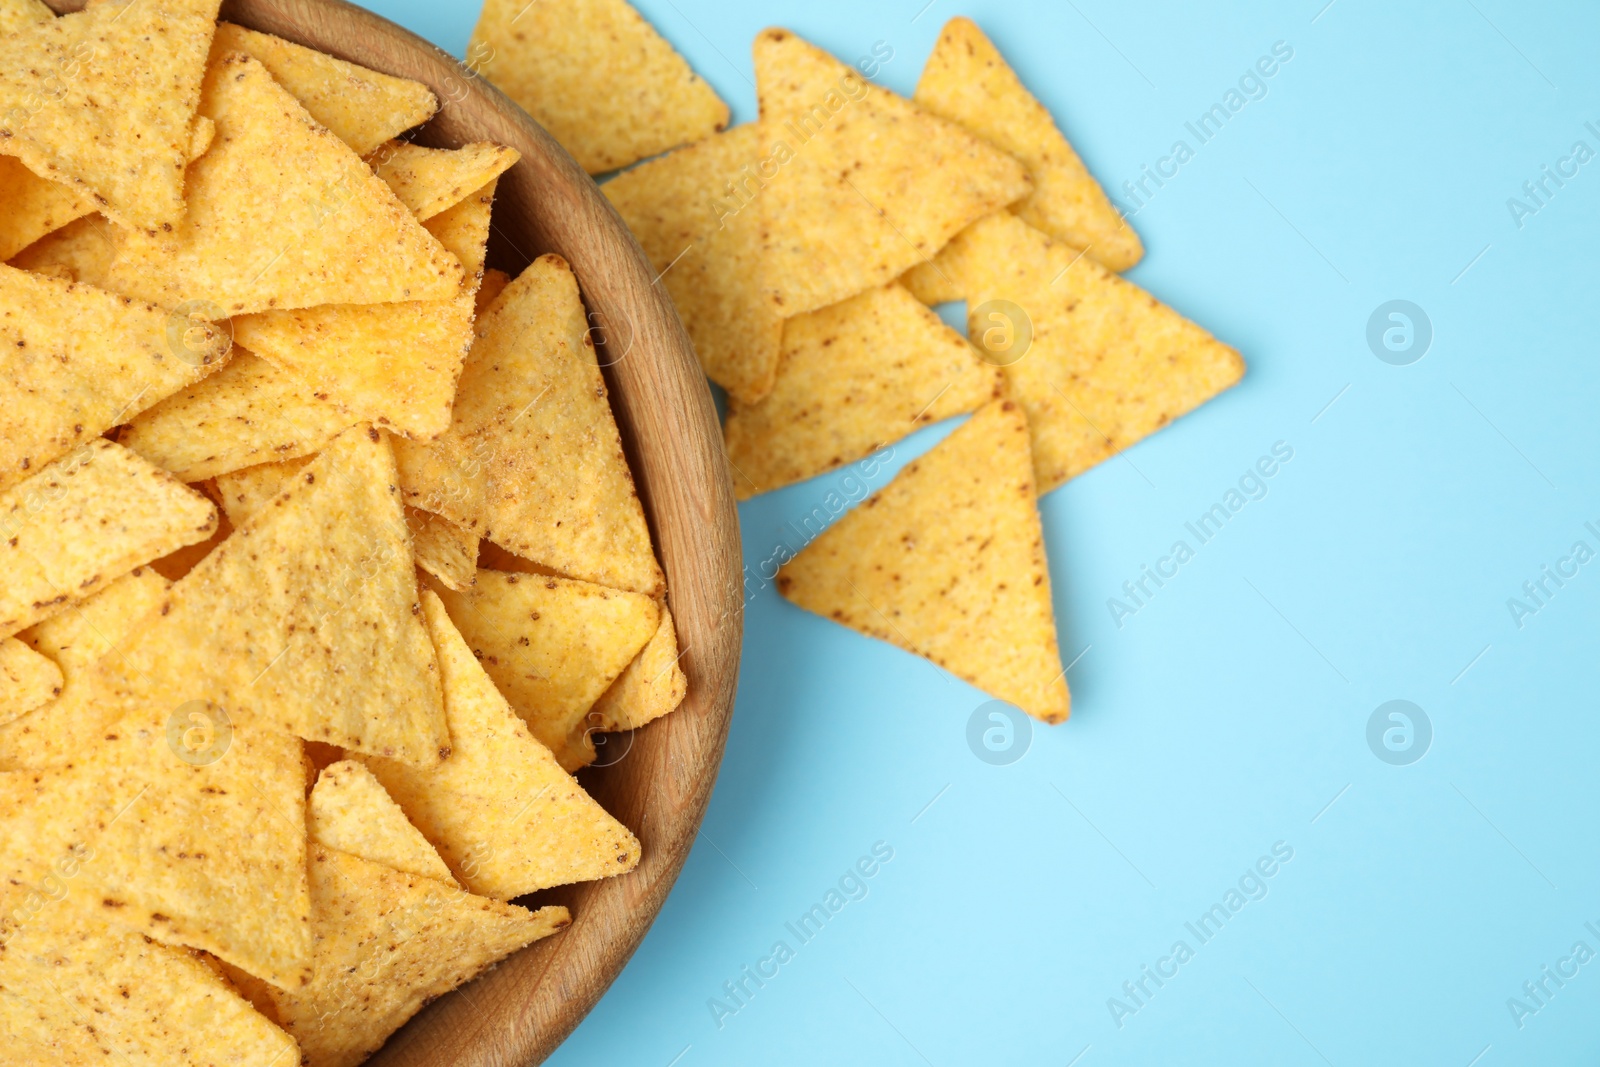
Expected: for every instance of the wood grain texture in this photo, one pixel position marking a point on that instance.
(519, 1012)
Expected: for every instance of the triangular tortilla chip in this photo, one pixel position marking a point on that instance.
(80, 251)
(91, 516)
(854, 377)
(552, 646)
(350, 811)
(76, 361)
(706, 246)
(947, 561)
(597, 76)
(64, 729)
(20, 14)
(361, 107)
(652, 685)
(75, 992)
(1108, 365)
(104, 100)
(387, 943)
(500, 810)
(428, 180)
(281, 215)
(968, 82)
(27, 680)
(393, 364)
(305, 619)
(250, 412)
(532, 459)
(867, 183)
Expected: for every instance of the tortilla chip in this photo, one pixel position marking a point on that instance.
(552, 646)
(248, 413)
(91, 516)
(350, 811)
(969, 83)
(942, 279)
(104, 99)
(305, 619)
(75, 992)
(652, 685)
(281, 215)
(597, 76)
(947, 561)
(76, 361)
(867, 183)
(445, 550)
(388, 942)
(706, 246)
(80, 251)
(393, 364)
(489, 290)
(532, 459)
(500, 810)
(20, 14)
(428, 180)
(27, 679)
(68, 727)
(1108, 364)
(854, 377)
(362, 107)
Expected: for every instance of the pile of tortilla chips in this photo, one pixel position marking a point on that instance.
(321, 567)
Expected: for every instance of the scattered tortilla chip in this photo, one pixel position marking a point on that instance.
(250, 412)
(20, 14)
(1108, 364)
(393, 364)
(89, 517)
(854, 377)
(597, 76)
(867, 184)
(552, 646)
(652, 685)
(500, 810)
(362, 107)
(705, 243)
(532, 459)
(947, 561)
(388, 942)
(305, 619)
(76, 361)
(80, 251)
(27, 679)
(969, 83)
(445, 550)
(104, 99)
(489, 290)
(350, 811)
(281, 215)
(428, 180)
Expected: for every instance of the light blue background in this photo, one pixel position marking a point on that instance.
(1230, 713)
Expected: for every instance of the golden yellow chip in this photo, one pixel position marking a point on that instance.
(969, 83)
(597, 76)
(104, 100)
(388, 942)
(428, 180)
(250, 412)
(244, 492)
(500, 810)
(80, 251)
(35, 206)
(280, 215)
(350, 811)
(947, 561)
(706, 245)
(532, 459)
(1106, 366)
(493, 284)
(854, 377)
(652, 685)
(270, 624)
(942, 279)
(362, 107)
(89, 517)
(552, 646)
(27, 679)
(19, 14)
(76, 361)
(864, 183)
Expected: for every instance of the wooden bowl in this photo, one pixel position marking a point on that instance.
(519, 1012)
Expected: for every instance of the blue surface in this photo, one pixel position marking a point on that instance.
(1230, 713)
